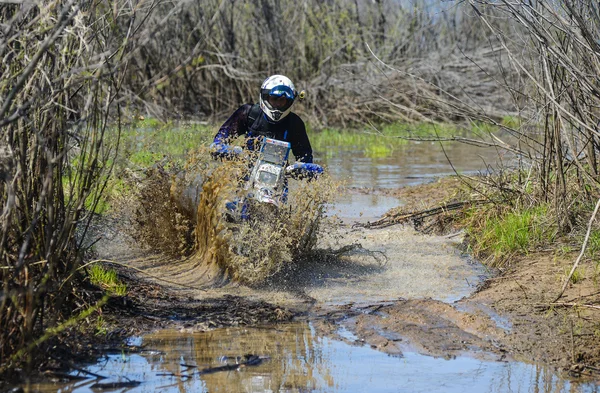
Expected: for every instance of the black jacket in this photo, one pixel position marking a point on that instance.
(291, 129)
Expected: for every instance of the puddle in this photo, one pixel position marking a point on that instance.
(347, 334)
(410, 266)
(300, 361)
(410, 164)
(356, 205)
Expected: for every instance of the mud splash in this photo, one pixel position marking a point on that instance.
(252, 251)
(180, 212)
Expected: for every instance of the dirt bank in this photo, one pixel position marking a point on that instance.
(563, 333)
(522, 300)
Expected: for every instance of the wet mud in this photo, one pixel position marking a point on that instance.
(393, 290)
(423, 326)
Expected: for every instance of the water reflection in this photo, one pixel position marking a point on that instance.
(410, 164)
(301, 361)
(354, 205)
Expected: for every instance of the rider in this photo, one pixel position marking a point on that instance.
(270, 118)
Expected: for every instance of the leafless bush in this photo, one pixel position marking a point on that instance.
(59, 82)
(560, 56)
(209, 57)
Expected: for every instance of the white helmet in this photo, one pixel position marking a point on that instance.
(277, 94)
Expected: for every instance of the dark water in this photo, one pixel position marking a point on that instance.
(298, 360)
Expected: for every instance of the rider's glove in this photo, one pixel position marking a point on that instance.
(293, 168)
(302, 170)
(223, 150)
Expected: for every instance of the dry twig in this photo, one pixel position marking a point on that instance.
(583, 247)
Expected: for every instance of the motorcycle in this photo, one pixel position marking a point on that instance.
(265, 187)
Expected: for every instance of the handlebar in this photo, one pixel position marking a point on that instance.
(298, 170)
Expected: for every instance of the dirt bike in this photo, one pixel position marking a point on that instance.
(265, 188)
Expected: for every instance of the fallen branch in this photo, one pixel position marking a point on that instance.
(566, 304)
(250, 360)
(398, 218)
(560, 304)
(63, 376)
(73, 367)
(115, 385)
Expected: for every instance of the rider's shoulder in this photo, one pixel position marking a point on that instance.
(294, 118)
(245, 107)
(242, 112)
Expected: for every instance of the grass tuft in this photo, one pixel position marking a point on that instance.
(107, 280)
(500, 234)
(578, 274)
(593, 247)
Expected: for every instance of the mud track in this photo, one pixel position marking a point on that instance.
(393, 289)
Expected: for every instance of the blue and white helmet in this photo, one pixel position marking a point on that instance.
(277, 94)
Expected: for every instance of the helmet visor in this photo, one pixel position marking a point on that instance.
(278, 98)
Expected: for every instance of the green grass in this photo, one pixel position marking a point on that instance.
(388, 138)
(578, 274)
(107, 280)
(517, 231)
(378, 151)
(511, 122)
(564, 249)
(593, 251)
(101, 326)
(147, 122)
(144, 158)
(101, 207)
(114, 186)
(480, 128)
(143, 144)
(593, 247)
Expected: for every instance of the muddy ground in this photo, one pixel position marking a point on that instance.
(394, 289)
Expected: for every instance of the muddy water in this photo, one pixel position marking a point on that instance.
(410, 164)
(360, 206)
(413, 265)
(295, 359)
(385, 266)
(392, 263)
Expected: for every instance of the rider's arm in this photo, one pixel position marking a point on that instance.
(236, 125)
(299, 140)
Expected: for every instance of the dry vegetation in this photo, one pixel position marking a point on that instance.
(204, 59)
(59, 81)
(553, 189)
